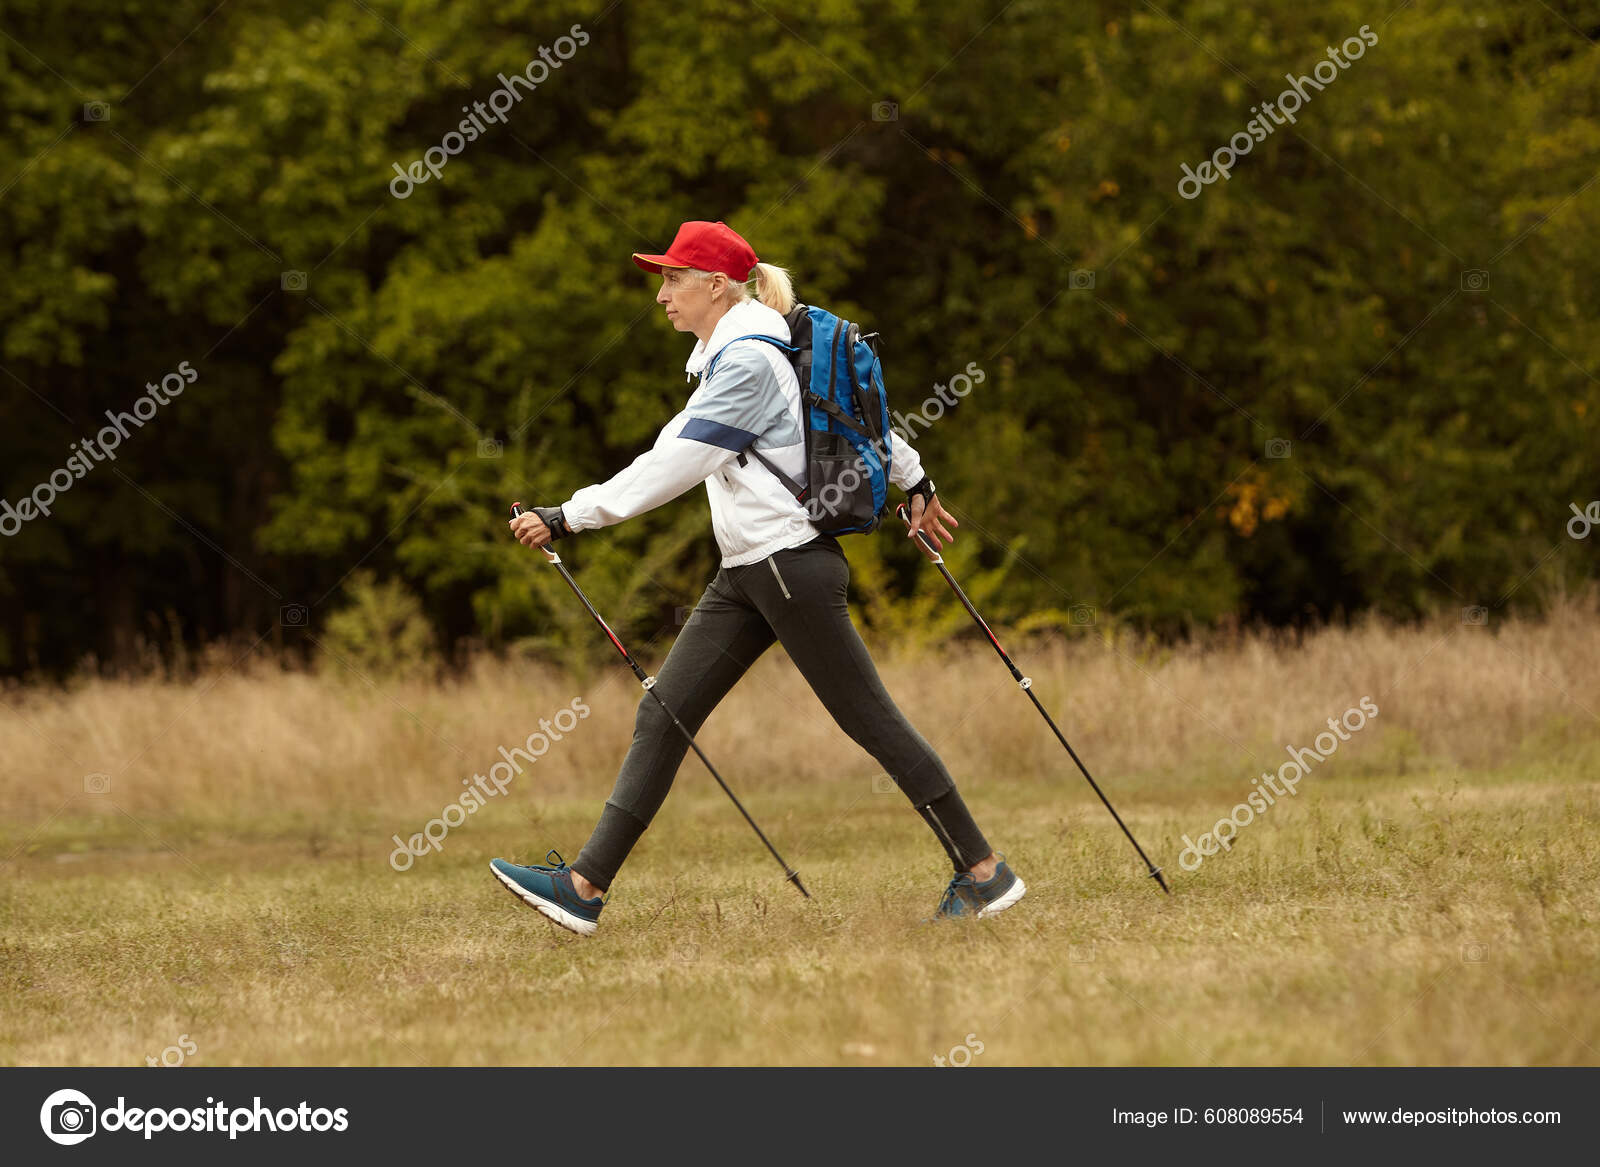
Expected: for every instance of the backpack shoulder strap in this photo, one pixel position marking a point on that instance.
(794, 487)
(772, 340)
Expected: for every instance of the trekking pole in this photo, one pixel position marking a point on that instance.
(649, 684)
(932, 553)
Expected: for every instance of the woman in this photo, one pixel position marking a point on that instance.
(780, 580)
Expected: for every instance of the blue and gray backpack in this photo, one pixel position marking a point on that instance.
(847, 421)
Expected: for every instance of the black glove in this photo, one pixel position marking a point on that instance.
(553, 519)
(924, 488)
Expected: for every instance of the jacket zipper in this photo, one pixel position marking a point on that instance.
(772, 563)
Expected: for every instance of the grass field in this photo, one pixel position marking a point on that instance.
(1427, 897)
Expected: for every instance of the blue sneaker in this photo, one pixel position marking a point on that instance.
(967, 897)
(549, 889)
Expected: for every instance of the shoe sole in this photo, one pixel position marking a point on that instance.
(1013, 894)
(555, 913)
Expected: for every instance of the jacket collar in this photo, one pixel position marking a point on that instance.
(743, 319)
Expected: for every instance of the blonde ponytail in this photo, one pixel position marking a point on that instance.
(774, 288)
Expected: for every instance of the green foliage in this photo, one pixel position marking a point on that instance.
(381, 631)
(486, 338)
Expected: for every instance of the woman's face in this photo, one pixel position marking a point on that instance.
(693, 304)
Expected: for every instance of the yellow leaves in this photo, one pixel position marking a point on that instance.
(1242, 516)
(1107, 189)
(1253, 503)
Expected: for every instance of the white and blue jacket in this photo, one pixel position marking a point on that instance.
(752, 398)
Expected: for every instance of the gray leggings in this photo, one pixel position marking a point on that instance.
(796, 596)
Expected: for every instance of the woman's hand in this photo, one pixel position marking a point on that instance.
(931, 518)
(530, 530)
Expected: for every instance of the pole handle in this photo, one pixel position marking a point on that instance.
(928, 548)
(517, 513)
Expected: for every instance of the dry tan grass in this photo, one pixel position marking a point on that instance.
(254, 740)
(232, 884)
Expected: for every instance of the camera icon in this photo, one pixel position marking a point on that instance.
(1083, 615)
(686, 953)
(1081, 953)
(72, 1118)
(1474, 279)
(294, 615)
(1476, 616)
(883, 784)
(1474, 953)
(885, 111)
(680, 615)
(490, 447)
(1279, 447)
(97, 783)
(68, 1117)
(96, 111)
(293, 281)
(1081, 281)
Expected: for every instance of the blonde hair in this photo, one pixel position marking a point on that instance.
(768, 283)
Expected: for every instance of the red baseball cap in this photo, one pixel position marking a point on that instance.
(705, 247)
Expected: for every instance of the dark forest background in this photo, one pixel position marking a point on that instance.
(1357, 376)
